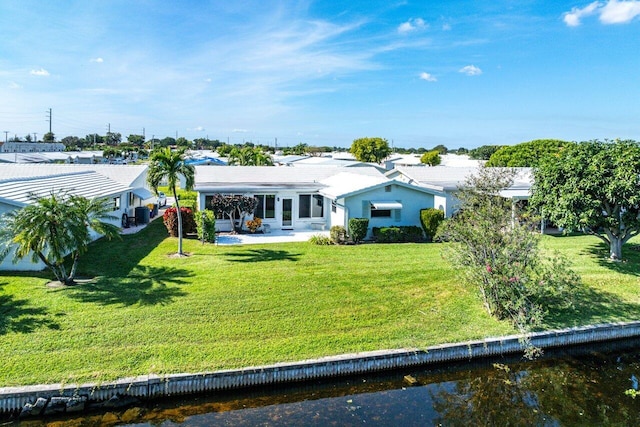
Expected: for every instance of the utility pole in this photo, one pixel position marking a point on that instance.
(276, 144)
(49, 116)
(143, 137)
(108, 128)
(35, 137)
(6, 136)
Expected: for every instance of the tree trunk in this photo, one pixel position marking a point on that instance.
(615, 248)
(179, 214)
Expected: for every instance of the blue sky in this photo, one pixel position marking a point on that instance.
(418, 73)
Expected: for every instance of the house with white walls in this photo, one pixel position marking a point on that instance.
(124, 186)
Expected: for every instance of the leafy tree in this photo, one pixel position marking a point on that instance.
(500, 255)
(28, 138)
(167, 142)
(224, 150)
(431, 158)
(94, 138)
(49, 137)
(441, 149)
(483, 152)
(112, 138)
(170, 165)
(183, 142)
(53, 227)
(527, 154)
(137, 140)
(299, 149)
(372, 150)
(72, 143)
(593, 187)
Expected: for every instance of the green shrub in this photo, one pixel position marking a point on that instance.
(170, 219)
(358, 228)
(401, 234)
(320, 240)
(338, 234)
(430, 219)
(188, 203)
(206, 225)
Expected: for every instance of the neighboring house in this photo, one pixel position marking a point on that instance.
(125, 186)
(444, 181)
(383, 201)
(289, 197)
(315, 197)
(31, 147)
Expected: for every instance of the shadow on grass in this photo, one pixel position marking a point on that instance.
(119, 257)
(259, 255)
(143, 285)
(16, 315)
(592, 307)
(630, 264)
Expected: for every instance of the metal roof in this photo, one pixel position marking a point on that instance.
(209, 178)
(89, 184)
(123, 174)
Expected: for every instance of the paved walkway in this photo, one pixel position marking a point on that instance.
(275, 236)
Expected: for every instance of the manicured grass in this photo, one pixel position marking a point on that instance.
(235, 306)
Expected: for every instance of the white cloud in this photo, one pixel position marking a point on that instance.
(198, 128)
(619, 12)
(14, 85)
(411, 25)
(207, 80)
(471, 70)
(446, 27)
(611, 12)
(40, 72)
(240, 131)
(98, 60)
(428, 77)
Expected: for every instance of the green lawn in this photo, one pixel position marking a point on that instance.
(228, 307)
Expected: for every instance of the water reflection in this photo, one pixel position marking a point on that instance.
(573, 388)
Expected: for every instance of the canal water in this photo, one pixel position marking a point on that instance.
(580, 386)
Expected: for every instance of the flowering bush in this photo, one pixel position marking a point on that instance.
(254, 224)
(500, 255)
(170, 219)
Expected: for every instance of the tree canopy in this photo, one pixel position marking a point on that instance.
(431, 158)
(170, 165)
(483, 152)
(372, 150)
(593, 187)
(527, 154)
(249, 156)
(53, 227)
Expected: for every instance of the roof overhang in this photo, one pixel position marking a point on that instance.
(386, 205)
(142, 193)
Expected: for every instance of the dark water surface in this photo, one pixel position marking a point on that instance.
(577, 387)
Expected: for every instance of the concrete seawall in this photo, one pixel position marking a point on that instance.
(154, 386)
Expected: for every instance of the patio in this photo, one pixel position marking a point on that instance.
(274, 236)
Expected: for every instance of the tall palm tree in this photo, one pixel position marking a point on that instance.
(170, 165)
(50, 228)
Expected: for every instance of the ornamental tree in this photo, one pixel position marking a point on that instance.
(501, 256)
(372, 150)
(593, 187)
(431, 158)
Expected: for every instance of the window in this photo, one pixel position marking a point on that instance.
(334, 206)
(380, 213)
(116, 203)
(310, 206)
(266, 206)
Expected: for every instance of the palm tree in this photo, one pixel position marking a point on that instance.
(169, 165)
(53, 227)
